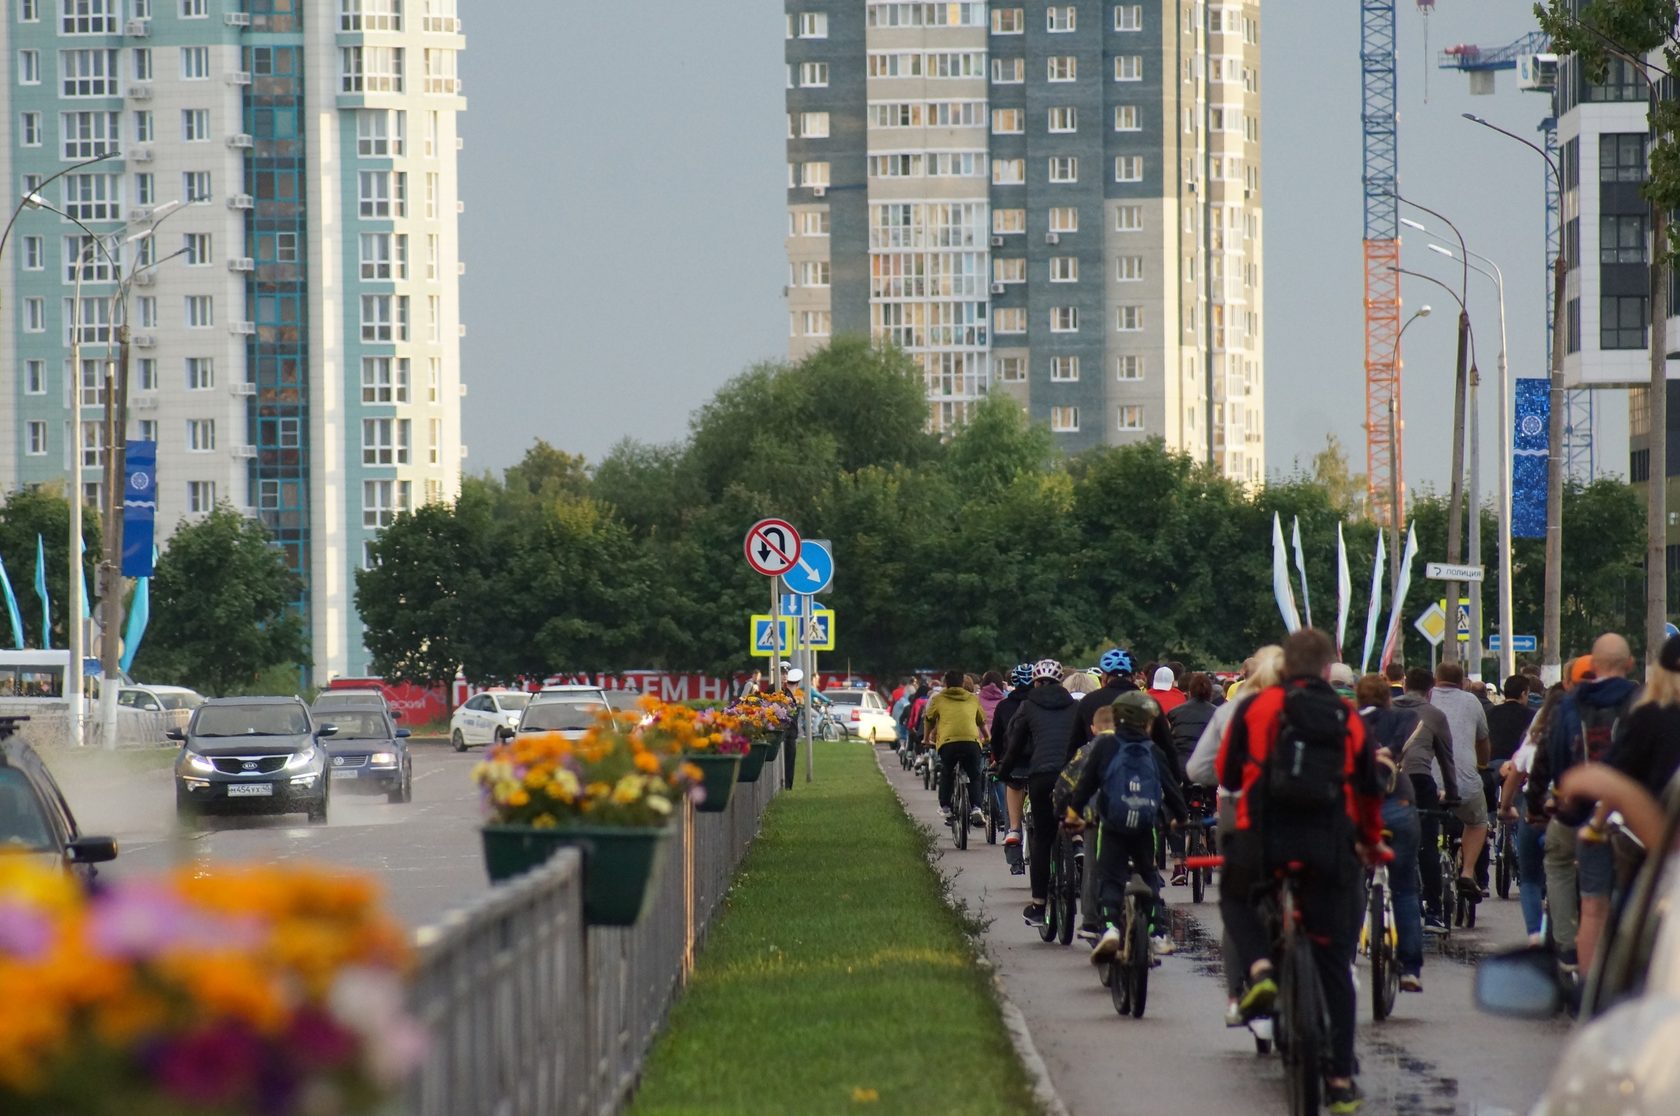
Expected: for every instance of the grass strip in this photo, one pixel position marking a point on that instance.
(838, 978)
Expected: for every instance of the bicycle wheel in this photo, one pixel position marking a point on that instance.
(1118, 993)
(1052, 921)
(1140, 957)
(990, 810)
(1302, 1055)
(1385, 979)
(959, 810)
(1067, 890)
(928, 773)
(1197, 846)
(1503, 869)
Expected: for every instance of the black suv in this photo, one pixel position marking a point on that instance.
(35, 819)
(252, 755)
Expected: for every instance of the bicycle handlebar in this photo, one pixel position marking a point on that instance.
(1204, 861)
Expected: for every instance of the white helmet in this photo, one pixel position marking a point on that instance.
(795, 676)
(1047, 668)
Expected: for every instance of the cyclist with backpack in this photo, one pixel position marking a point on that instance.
(1042, 736)
(1309, 793)
(1014, 782)
(1139, 791)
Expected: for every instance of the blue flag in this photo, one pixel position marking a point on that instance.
(139, 613)
(139, 508)
(11, 608)
(87, 609)
(41, 591)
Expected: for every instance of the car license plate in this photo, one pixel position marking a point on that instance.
(250, 790)
(340, 773)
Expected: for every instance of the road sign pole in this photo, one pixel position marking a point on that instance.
(776, 633)
(810, 679)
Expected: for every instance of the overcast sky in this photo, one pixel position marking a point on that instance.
(623, 177)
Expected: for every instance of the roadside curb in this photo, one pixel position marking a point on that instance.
(1020, 1035)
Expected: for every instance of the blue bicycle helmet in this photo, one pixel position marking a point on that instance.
(1117, 661)
(1021, 675)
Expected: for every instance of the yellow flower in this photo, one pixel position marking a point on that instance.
(659, 804)
(629, 789)
(544, 821)
(518, 797)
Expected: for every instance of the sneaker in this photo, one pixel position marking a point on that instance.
(1090, 933)
(976, 818)
(945, 814)
(1018, 868)
(1468, 889)
(1012, 839)
(1233, 1014)
(1180, 877)
(1259, 998)
(1107, 947)
(1432, 924)
(1034, 914)
(1344, 1099)
(1162, 946)
(1411, 982)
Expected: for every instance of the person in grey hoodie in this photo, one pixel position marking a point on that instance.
(1427, 761)
(1042, 736)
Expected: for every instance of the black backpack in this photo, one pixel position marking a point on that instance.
(1307, 768)
(1598, 731)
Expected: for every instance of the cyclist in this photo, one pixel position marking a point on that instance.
(1138, 791)
(956, 726)
(1323, 810)
(1429, 765)
(1014, 782)
(1390, 729)
(1470, 751)
(1042, 735)
(1116, 666)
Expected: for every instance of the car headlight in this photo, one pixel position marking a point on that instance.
(383, 759)
(199, 763)
(301, 760)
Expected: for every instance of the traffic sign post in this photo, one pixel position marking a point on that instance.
(772, 547)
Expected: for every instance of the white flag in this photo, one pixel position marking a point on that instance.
(1344, 591)
(1391, 644)
(1301, 567)
(1280, 578)
(1376, 606)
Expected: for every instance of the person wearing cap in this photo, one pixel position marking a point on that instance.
(1342, 680)
(1164, 689)
(791, 678)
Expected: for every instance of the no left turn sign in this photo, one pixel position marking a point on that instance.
(772, 547)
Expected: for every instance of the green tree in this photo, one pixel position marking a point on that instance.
(221, 606)
(42, 511)
(549, 474)
(1344, 488)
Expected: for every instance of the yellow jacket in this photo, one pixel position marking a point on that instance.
(952, 715)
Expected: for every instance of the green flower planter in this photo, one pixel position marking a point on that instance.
(752, 764)
(618, 863)
(775, 746)
(719, 774)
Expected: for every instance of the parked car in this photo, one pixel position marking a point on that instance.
(863, 713)
(259, 755)
(370, 754)
(1619, 1060)
(478, 718)
(329, 700)
(172, 704)
(34, 817)
(568, 710)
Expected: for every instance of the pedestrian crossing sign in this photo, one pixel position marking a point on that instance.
(764, 632)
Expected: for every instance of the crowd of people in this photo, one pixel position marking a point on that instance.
(1321, 773)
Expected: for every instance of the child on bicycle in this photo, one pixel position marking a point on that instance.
(1138, 786)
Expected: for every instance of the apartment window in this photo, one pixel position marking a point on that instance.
(1008, 21)
(813, 125)
(1009, 221)
(1127, 119)
(148, 430)
(380, 132)
(93, 197)
(1128, 17)
(1064, 369)
(434, 316)
(1009, 270)
(34, 315)
(87, 135)
(1064, 420)
(384, 379)
(1621, 239)
(195, 9)
(1128, 67)
(145, 193)
(1064, 319)
(148, 312)
(434, 450)
(34, 253)
(201, 435)
(384, 256)
(201, 497)
(1128, 366)
(1128, 168)
(1009, 71)
(1128, 319)
(813, 75)
(434, 379)
(1060, 17)
(383, 500)
(813, 25)
(37, 439)
(144, 130)
(1064, 119)
(1131, 417)
(1064, 219)
(201, 373)
(148, 374)
(1621, 157)
(195, 125)
(93, 391)
(195, 187)
(431, 256)
(88, 73)
(29, 11)
(384, 317)
(1009, 319)
(385, 441)
(1064, 269)
(812, 175)
(1010, 369)
(197, 249)
(371, 69)
(29, 128)
(1009, 172)
(814, 323)
(1008, 122)
(431, 131)
(1064, 168)
(88, 17)
(195, 63)
(1621, 322)
(813, 222)
(34, 377)
(383, 193)
(29, 67)
(1129, 269)
(201, 312)
(1062, 67)
(432, 191)
(142, 63)
(813, 273)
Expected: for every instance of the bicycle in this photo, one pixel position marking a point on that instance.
(1504, 855)
(1302, 1017)
(960, 807)
(1061, 900)
(1456, 907)
(1261, 1027)
(1379, 940)
(996, 817)
(1197, 843)
(1128, 973)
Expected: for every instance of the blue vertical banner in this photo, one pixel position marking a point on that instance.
(1530, 445)
(139, 508)
(12, 608)
(41, 591)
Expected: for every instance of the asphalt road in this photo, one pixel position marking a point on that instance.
(1436, 1055)
(426, 853)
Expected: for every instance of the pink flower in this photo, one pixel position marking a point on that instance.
(23, 932)
(210, 1068)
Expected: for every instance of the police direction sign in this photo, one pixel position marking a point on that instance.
(1448, 571)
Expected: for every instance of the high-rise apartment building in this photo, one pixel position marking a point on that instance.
(295, 350)
(1058, 201)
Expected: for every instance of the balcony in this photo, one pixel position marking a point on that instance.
(242, 263)
(237, 19)
(243, 329)
(239, 77)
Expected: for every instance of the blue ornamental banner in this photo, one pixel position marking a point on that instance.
(139, 509)
(1529, 448)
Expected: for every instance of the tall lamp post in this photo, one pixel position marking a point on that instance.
(1551, 669)
(1394, 463)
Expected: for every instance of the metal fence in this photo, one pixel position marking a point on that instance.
(530, 1013)
(49, 725)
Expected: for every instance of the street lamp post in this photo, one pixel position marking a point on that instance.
(1551, 669)
(1394, 463)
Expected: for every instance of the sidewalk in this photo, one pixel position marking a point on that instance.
(1437, 1054)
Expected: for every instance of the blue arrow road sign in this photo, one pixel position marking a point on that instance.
(792, 605)
(1521, 644)
(813, 572)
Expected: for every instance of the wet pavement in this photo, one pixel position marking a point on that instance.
(1436, 1055)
